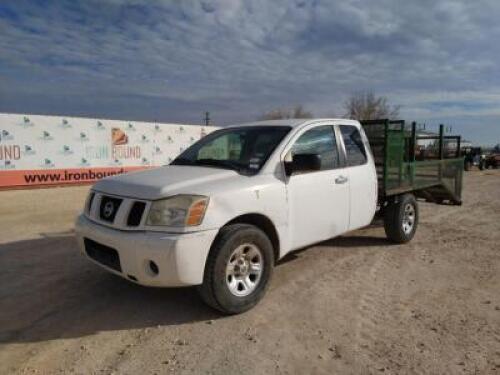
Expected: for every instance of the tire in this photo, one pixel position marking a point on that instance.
(398, 217)
(235, 288)
(467, 166)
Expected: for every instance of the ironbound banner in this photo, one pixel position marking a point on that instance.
(53, 150)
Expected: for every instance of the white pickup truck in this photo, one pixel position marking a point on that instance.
(229, 207)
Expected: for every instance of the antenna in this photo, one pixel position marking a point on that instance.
(207, 118)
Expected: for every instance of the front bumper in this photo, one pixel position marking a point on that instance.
(180, 258)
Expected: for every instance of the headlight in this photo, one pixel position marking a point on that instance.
(178, 211)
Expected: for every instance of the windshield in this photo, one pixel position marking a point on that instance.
(243, 149)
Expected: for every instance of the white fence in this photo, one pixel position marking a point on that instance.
(54, 150)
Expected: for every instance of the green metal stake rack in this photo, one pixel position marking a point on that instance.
(429, 166)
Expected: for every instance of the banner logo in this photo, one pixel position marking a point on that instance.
(26, 122)
(6, 136)
(120, 147)
(97, 152)
(84, 163)
(10, 152)
(65, 124)
(66, 150)
(118, 137)
(7, 165)
(28, 150)
(47, 163)
(46, 136)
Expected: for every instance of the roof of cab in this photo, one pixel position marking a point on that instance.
(293, 122)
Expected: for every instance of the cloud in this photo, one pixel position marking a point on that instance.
(169, 60)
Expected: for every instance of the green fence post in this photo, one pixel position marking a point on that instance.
(458, 174)
(401, 153)
(441, 152)
(413, 146)
(441, 142)
(386, 154)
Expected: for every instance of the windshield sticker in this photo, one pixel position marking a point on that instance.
(254, 166)
(255, 160)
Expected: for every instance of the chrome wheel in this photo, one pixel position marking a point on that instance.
(408, 218)
(244, 270)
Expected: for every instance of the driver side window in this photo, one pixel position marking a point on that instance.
(319, 140)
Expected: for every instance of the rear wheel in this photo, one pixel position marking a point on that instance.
(238, 269)
(401, 219)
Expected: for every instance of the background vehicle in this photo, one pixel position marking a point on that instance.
(241, 198)
(492, 160)
(473, 156)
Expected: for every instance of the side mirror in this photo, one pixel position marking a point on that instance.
(303, 163)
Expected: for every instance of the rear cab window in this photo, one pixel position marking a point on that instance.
(354, 148)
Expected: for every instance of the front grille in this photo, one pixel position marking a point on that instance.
(135, 215)
(109, 208)
(103, 254)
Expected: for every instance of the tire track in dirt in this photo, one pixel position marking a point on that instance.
(378, 313)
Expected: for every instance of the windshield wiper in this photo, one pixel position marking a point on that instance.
(219, 163)
(226, 164)
(182, 161)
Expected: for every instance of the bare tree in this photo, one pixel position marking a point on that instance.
(300, 112)
(284, 113)
(367, 106)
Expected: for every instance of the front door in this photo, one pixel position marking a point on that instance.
(318, 200)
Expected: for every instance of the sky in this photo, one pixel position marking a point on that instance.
(171, 61)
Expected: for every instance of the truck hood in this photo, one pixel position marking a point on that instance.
(162, 182)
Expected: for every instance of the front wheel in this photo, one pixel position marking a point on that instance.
(401, 219)
(238, 269)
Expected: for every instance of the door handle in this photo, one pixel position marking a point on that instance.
(341, 180)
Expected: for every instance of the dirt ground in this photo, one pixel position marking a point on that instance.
(352, 305)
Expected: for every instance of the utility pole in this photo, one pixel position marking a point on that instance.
(207, 118)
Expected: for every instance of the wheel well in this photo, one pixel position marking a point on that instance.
(263, 223)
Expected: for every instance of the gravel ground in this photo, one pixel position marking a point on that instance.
(351, 305)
